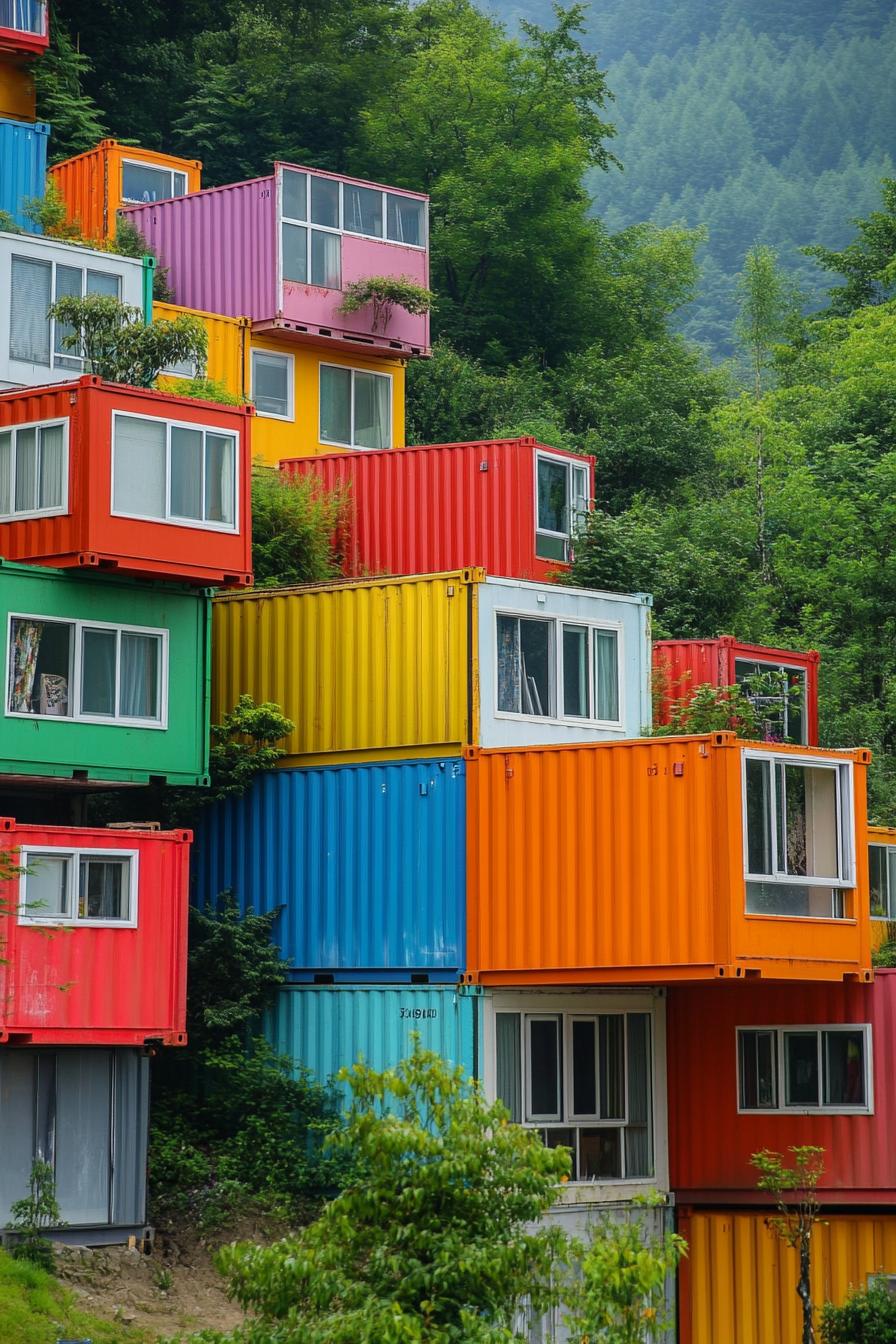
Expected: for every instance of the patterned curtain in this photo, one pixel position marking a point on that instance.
(25, 646)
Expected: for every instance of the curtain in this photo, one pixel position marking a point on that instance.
(638, 1136)
(186, 473)
(98, 656)
(335, 405)
(371, 393)
(326, 268)
(52, 465)
(219, 478)
(509, 1063)
(26, 637)
(138, 696)
(29, 327)
(138, 455)
(5, 472)
(404, 220)
(103, 889)
(607, 662)
(69, 280)
(26, 470)
(509, 669)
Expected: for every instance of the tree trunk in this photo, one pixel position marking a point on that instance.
(804, 1288)
(761, 536)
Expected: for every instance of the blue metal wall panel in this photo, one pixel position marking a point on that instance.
(328, 1027)
(368, 861)
(23, 166)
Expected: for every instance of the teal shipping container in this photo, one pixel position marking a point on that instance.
(326, 1028)
(106, 680)
(23, 167)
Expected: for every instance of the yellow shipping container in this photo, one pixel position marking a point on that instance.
(379, 670)
(738, 1283)
(228, 348)
(18, 100)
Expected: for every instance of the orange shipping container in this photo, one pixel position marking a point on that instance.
(96, 184)
(666, 859)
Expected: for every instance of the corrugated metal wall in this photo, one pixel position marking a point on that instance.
(327, 1028)
(228, 347)
(368, 861)
(23, 167)
(738, 1283)
(90, 183)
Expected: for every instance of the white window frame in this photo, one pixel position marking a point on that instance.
(345, 368)
(558, 622)
(53, 263)
(566, 537)
(79, 626)
(159, 168)
(173, 519)
(780, 1032)
(308, 223)
(290, 361)
(891, 895)
(847, 848)
(802, 672)
(33, 32)
(30, 855)
(15, 516)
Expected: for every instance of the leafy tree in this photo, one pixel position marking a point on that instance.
(294, 526)
(119, 346)
(796, 1217)
(60, 77)
(244, 744)
(430, 1242)
(868, 263)
(31, 1217)
(867, 1317)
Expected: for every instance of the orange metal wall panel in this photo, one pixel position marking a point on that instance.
(90, 183)
(77, 985)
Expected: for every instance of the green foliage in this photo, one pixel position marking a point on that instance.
(119, 346)
(868, 263)
(383, 293)
(294, 524)
(712, 709)
(36, 1309)
(205, 389)
(429, 1243)
(795, 1192)
(31, 1217)
(60, 77)
(129, 242)
(867, 1317)
(621, 1298)
(243, 744)
(48, 214)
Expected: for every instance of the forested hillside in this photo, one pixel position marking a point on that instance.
(762, 122)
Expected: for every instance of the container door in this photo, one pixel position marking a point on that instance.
(16, 1126)
(83, 1134)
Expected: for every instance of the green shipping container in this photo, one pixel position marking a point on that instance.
(105, 679)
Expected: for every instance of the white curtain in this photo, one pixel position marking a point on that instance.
(29, 327)
(638, 1138)
(508, 1060)
(138, 696)
(607, 660)
(326, 269)
(219, 478)
(52, 467)
(69, 280)
(5, 469)
(372, 428)
(26, 470)
(139, 467)
(98, 652)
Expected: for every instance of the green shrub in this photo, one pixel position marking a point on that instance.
(293, 527)
(867, 1317)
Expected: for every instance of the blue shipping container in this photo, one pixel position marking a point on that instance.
(23, 167)
(326, 1028)
(367, 861)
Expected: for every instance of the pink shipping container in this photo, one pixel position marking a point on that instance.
(282, 249)
(94, 931)
(681, 665)
(508, 506)
(712, 1130)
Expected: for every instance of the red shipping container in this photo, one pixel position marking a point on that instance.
(681, 665)
(181, 511)
(447, 506)
(712, 1136)
(94, 936)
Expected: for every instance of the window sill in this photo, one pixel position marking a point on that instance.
(61, 512)
(840, 921)
(193, 524)
(63, 922)
(602, 724)
(94, 720)
(808, 1110)
(603, 1192)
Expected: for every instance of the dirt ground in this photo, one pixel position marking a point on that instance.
(168, 1293)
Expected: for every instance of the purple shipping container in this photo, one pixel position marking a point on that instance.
(281, 250)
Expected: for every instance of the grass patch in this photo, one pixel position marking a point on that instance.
(35, 1308)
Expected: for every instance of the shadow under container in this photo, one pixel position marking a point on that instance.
(424, 665)
(283, 249)
(23, 167)
(95, 185)
(101, 476)
(107, 681)
(86, 1113)
(364, 865)
(508, 505)
(785, 695)
(666, 859)
(94, 936)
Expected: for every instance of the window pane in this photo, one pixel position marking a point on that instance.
(611, 1031)
(816, 820)
(295, 253)
(295, 194)
(795, 900)
(69, 282)
(535, 668)
(40, 667)
(138, 696)
(6, 472)
(758, 1070)
(98, 654)
(759, 840)
(509, 674)
(324, 202)
(575, 671)
(580, 492)
(552, 496)
(844, 1068)
(143, 183)
(878, 873)
(891, 880)
(219, 478)
(335, 405)
(51, 486)
(508, 1063)
(179, 187)
(26, 470)
(104, 889)
(326, 257)
(639, 1131)
(46, 886)
(801, 1068)
(584, 1067)
(362, 210)
(29, 327)
(606, 659)
(270, 383)
(102, 282)
(562, 1138)
(186, 473)
(404, 220)
(797, 719)
(139, 467)
(600, 1154)
(544, 1067)
(372, 428)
